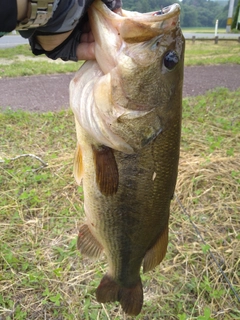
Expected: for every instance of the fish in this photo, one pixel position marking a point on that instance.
(127, 106)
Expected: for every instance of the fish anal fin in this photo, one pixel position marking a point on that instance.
(87, 244)
(106, 170)
(130, 298)
(157, 252)
(78, 165)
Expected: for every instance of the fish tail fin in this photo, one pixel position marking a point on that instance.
(131, 299)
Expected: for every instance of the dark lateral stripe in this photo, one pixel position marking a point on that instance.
(106, 170)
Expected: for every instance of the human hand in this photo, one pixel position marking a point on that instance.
(86, 48)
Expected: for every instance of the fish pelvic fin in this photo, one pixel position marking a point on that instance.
(157, 252)
(131, 299)
(106, 170)
(87, 244)
(78, 165)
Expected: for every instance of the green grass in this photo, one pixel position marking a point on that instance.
(20, 61)
(42, 276)
(12, 53)
(203, 30)
(207, 30)
(29, 68)
(208, 53)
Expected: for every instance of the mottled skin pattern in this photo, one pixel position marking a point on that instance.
(130, 218)
(129, 222)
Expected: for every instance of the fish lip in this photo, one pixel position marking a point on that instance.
(167, 12)
(146, 25)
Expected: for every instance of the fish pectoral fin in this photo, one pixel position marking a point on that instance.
(78, 165)
(106, 170)
(131, 299)
(157, 252)
(87, 244)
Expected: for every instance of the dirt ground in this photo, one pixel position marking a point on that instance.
(50, 92)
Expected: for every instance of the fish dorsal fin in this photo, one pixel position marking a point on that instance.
(78, 165)
(157, 252)
(106, 170)
(87, 244)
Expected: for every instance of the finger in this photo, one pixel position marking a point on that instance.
(87, 37)
(85, 51)
(118, 11)
(86, 27)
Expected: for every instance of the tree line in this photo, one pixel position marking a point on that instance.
(194, 13)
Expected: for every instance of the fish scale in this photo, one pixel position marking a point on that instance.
(127, 107)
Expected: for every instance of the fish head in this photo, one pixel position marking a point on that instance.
(133, 91)
(146, 49)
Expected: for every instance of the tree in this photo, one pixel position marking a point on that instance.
(189, 17)
(145, 5)
(235, 17)
(195, 13)
(222, 17)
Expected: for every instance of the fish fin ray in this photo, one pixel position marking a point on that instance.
(131, 299)
(157, 252)
(78, 165)
(106, 170)
(87, 244)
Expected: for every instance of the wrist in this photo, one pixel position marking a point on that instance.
(22, 9)
(37, 13)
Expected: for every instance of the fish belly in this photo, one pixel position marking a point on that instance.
(130, 225)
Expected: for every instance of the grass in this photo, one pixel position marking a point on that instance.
(208, 53)
(29, 68)
(19, 61)
(42, 276)
(203, 30)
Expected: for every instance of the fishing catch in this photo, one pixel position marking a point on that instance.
(127, 107)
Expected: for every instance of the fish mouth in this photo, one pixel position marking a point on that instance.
(154, 16)
(111, 30)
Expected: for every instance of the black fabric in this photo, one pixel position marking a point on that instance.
(8, 15)
(67, 50)
(64, 18)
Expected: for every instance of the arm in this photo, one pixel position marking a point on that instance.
(65, 33)
(68, 43)
(22, 14)
(8, 15)
(22, 9)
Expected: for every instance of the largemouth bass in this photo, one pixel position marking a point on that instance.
(127, 108)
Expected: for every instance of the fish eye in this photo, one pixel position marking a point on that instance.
(170, 60)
